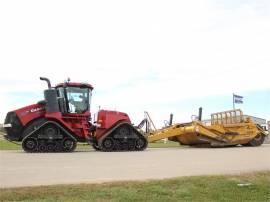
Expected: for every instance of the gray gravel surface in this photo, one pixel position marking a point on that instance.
(24, 169)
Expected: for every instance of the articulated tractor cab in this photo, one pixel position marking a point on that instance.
(63, 118)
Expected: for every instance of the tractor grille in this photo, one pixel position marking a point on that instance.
(14, 132)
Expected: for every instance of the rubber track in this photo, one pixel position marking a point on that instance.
(111, 132)
(33, 133)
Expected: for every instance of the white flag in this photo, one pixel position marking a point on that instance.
(238, 99)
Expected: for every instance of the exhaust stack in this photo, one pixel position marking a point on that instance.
(171, 119)
(200, 114)
(47, 80)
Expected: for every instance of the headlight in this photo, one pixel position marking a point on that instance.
(8, 125)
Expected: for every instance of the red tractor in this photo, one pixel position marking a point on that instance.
(63, 118)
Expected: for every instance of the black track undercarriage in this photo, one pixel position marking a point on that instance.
(123, 137)
(48, 136)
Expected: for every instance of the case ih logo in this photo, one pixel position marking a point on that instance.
(32, 111)
(37, 109)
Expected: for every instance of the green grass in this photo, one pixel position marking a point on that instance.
(2, 133)
(199, 188)
(6, 145)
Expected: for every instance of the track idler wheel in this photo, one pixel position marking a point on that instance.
(140, 144)
(69, 145)
(108, 144)
(30, 145)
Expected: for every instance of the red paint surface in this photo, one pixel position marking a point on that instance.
(77, 124)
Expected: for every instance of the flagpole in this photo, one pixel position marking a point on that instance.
(233, 102)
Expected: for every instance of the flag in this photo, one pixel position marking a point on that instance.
(238, 99)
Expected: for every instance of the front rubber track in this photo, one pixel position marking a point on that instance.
(48, 136)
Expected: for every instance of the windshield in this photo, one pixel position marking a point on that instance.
(77, 99)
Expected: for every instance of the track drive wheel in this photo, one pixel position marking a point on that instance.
(108, 144)
(29, 145)
(124, 131)
(69, 145)
(50, 130)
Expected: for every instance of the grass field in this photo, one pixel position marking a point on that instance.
(247, 187)
(6, 145)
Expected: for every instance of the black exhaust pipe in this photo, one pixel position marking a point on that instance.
(50, 96)
(47, 80)
(171, 119)
(200, 114)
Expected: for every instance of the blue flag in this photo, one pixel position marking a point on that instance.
(238, 99)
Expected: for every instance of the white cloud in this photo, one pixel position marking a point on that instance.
(134, 53)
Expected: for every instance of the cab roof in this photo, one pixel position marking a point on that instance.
(74, 84)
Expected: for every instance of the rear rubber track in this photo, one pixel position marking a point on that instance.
(123, 137)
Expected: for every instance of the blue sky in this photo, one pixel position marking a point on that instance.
(159, 56)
